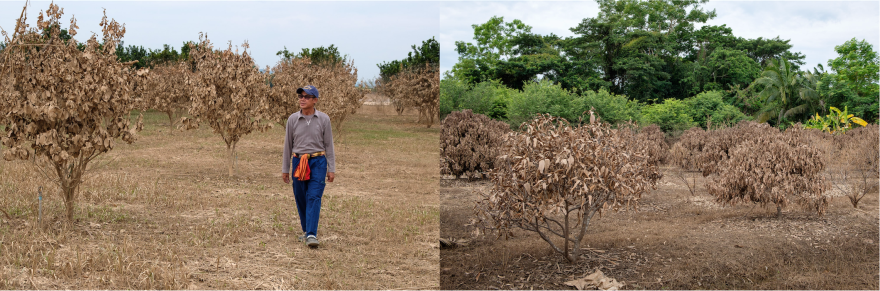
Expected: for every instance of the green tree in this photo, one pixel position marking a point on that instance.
(719, 60)
(830, 90)
(638, 45)
(764, 50)
(163, 56)
(320, 55)
(64, 35)
(426, 54)
(186, 48)
(151, 57)
(810, 95)
(786, 92)
(133, 53)
(530, 56)
(494, 41)
(579, 69)
(856, 68)
(724, 68)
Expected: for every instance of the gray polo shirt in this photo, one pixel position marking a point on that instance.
(308, 134)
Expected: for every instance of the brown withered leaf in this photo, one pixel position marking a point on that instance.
(61, 105)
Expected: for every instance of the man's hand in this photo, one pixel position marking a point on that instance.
(330, 176)
(285, 177)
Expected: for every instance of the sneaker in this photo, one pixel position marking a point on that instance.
(312, 241)
(301, 238)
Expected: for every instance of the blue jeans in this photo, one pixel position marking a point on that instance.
(308, 194)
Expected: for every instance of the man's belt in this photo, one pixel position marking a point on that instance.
(318, 154)
(303, 172)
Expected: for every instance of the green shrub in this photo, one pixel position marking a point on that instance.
(480, 98)
(711, 104)
(499, 103)
(452, 91)
(727, 115)
(611, 108)
(545, 97)
(540, 98)
(671, 115)
(489, 98)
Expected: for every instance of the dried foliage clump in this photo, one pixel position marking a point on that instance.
(337, 84)
(417, 88)
(166, 88)
(552, 179)
(469, 143)
(684, 161)
(854, 161)
(685, 153)
(61, 107)
(864, 142)
(655, 141)
(230, 95)
(773, 168)
(719, 143)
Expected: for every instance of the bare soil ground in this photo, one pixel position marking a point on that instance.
(675, 241)
(162, 213)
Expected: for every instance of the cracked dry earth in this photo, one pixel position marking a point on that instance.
(162, 213)
(675, 241)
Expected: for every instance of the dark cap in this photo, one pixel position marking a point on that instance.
(309, 89)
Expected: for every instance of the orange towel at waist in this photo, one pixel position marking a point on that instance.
(302, 170)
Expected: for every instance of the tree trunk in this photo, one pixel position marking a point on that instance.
(170, 121)
(779, 123)
(571, 254)
(69, 192)
(854, 199)
(231, 150)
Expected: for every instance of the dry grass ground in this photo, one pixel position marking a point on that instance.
(162, 213)
(676, 241)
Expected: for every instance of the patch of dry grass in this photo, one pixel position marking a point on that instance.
(162, 214)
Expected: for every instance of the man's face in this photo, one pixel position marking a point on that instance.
(307, 101)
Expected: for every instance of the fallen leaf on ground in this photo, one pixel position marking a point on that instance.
(595, 280)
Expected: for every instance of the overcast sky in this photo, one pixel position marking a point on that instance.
(370, 32)
(814, 27)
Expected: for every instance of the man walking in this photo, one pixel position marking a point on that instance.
(309, 139)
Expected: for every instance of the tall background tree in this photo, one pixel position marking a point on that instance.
(648, 52)
(856, 70)
(781, 87)
(320, 55)
(428, 53)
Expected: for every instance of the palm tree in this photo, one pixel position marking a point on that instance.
(781, 87)
(808, 94)
(787, 92)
